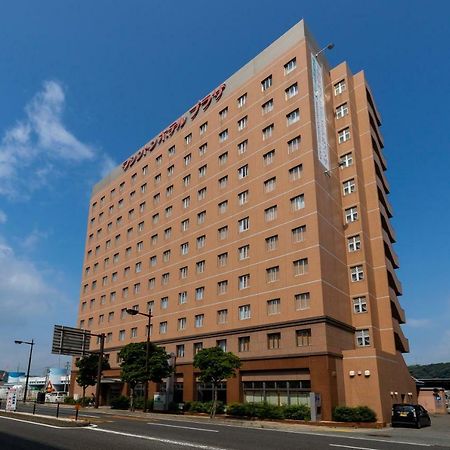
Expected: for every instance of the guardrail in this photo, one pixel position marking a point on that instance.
(51, 409)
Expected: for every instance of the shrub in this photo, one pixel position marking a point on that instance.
(354, 414)
(83, 401)
(297, 412)
(120, 402)
(139, 403)
(237, 409)
(204, 407)
(69, 401)
(259, 410)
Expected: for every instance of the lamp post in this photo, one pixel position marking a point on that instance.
(31, 344)
(134, 312)
(327, 47)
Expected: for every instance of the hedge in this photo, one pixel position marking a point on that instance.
(267, 411)
(354, 414)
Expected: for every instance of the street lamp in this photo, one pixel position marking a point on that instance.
(29, 365)
(327, 47)
(135, 312)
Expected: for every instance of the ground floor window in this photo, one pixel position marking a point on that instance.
(178, 392)
(277, 392)
(205, 392)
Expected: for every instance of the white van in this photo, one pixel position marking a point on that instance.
(55, 397)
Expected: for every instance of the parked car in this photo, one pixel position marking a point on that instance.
(55, 397)
(408, 415)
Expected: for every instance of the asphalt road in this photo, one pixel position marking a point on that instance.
(112, 432)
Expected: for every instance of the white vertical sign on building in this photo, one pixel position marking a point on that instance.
(319, 113)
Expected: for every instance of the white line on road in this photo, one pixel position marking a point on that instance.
(180, 426)
(40, 424)
(349, 446)
(165, 441)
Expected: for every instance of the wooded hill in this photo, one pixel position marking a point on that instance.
(438, 370)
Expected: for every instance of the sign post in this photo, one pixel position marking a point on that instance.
(11, 400)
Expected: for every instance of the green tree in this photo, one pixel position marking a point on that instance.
(88, 370)
(133, 365)
(216, 366)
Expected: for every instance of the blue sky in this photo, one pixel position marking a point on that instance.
(84, 84)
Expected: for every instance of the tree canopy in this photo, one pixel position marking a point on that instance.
(438, 370)
(88, 369)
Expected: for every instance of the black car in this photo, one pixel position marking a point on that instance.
(406, 415)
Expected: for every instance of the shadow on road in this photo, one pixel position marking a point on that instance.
(10, 441)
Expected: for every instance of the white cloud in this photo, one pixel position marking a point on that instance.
(3, 217)
(40, 145)
(33, 239)
(419, 323)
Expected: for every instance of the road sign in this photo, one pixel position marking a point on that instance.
(70, 341)
(11, 400)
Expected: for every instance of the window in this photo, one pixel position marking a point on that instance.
(121, 335)
(163, 327)
(267, 107)
(151, 283)
(244, 281)
(242, 100)
(200, 293)
(158, 178)
(170, 170)
(169, 190)
(266, 83)
(298, 233)
(187, 159)
(180, 350)
(351, 214)
(145, 170)
(270, 213)
(201, 217)
(168, 211)
(184, 248)
(270, 184)
(269, 157)
(341, 111)
(244, 312)
(155, 218)
(223, 158)
(357, 273)
(138, 267)
(167, 233)
(267, 132)
(201, 194)
(165, 278)
(303, 337)
(186, 202)
(290, 66)
(354, 243)
(291, 91)
(300, 266)
(181, 323)
(198, 346)
(339, 87)
(222, 343)
(244, 224)
(244, 344)
(186, 180)
(222, 232)
(158, 160)
(294, 144)
(164, 302)
(144, 188)
(101, 318)
(185, 225)
(137, 288)
(222, 287)
(362, 338)
(202, 171)
(183, 272)
(223, 206)
(297, 202)
(140, 246)
(222, 259)
(182, 297)
(200, 266)
(111, 316)
(202, 149)
(346, 160)
(222, 316)
(273, 306)
(166, 255)
(243, 198)
(133, 332)
(223, 114)
(272, 274)
(295, 172)
(223, 135)
(112, 297)
(302, 301)
(150, 306)
(242, 123)
(153, 261)
(273, 341)
(349, 186)
(223, 182)
(272, 242)
(359, 305)
(188, 139)
(243, 252)
(201, 241)
(154, 239)
(293, 117)
(242, 147)
(243, 172)
(203, 128)
(344, 135)
(199, 319)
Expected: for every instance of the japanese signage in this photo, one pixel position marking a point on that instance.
(11, 400)
(70, 341)
(201, 105)
(319, 113)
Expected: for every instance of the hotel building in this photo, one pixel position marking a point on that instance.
(259, 221)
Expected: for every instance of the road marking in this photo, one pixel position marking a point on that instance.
(180, 426)
(40, 424)
(349, 446)
(151, 438)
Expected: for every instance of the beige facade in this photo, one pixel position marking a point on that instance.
(259, 221)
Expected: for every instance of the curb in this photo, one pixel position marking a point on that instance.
(36, 418)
